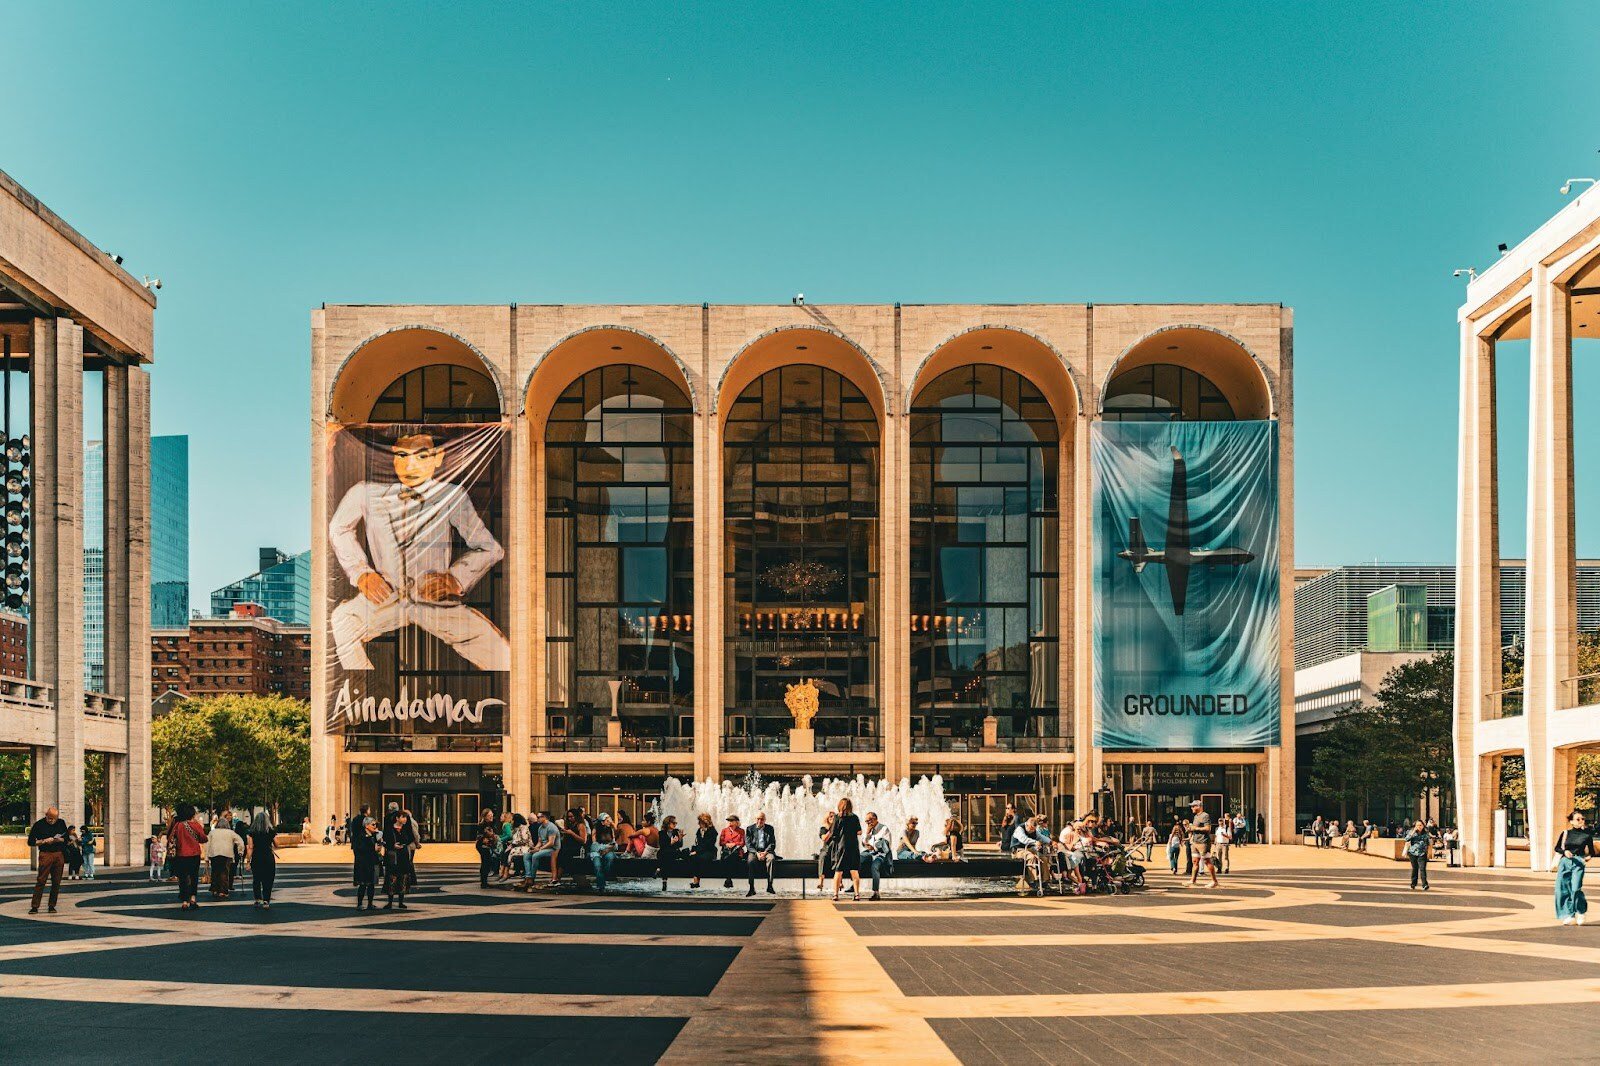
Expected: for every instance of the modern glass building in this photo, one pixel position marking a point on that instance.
(282, 587)
(169, 546)
(169, 531)
(703, 508)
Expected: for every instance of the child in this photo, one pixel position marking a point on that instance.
(156, 845)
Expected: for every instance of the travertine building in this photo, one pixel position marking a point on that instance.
(67, 309)
(708, 503)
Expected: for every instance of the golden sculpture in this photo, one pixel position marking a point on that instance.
(802, 700)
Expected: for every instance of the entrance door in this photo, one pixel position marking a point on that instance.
(467, 806)
(1214, 802)
(433, 812)
(985, 812)
(1137, 807)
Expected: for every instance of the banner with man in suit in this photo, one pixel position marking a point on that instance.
(417, 592)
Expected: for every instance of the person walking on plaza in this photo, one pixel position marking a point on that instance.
(1241, 830)
(365, 850)
(305, 829)
(824, 871)
(1222, 858)
(1452, 843)
(1261, 828)
(1418, 843)
(1174, 845)
(223, 849)
(398, 839)
(89, 843)
(156, 852)
(1573, 848)
(49, 835)
(1147, 837)
(186, 839)
(261, 854)
(843, 844)
(760, 852)
(1200, 839)
(74, 855)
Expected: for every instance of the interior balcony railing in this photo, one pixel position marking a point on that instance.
(559, 743)
(757, 744)
(1502, 703)
(957, 745)
(1580, 691)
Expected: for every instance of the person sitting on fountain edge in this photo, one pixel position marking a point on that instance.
(876, 855)
(731, 845)
(760, 851)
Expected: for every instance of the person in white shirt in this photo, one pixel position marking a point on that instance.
(404, 574)
(876, 854)
(1224, 844)
(224, 848)
(1240, 830)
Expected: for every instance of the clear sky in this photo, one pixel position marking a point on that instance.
(1339, 158)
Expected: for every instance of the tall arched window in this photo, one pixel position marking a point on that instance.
(984, 570)
(801, 510)
(619, 560)
(1162, 392)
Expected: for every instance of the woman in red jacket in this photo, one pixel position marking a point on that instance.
(186, 839)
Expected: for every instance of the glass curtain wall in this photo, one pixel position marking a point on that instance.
(984, 571)
(619, 560)
(801, 510)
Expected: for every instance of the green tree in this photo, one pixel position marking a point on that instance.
(253, 750)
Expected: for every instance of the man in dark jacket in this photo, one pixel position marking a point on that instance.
(760, 850)
(49, 835)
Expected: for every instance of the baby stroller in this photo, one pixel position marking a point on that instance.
(1112, 870)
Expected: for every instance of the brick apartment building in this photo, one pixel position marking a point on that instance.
(13, 644)
(245, 654)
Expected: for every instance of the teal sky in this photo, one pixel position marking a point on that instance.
(1339, 158)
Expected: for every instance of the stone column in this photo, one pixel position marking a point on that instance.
(1077, 537)
(1477, 655)
(710, 651)
(525, 570)
(127, 602)
(894, 596)
(1552, 565)
(329, 780)
(56, 627)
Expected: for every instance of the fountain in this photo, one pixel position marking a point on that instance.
(795, 814)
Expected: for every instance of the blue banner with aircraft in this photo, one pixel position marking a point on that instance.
(1186, 612)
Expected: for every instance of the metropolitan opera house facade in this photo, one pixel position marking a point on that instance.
(563, 553)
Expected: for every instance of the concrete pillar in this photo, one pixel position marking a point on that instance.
(1077, 550)
(1281, 760)
(56, 626)
(710, 650)
(1477, 648)
(127, 603)
(525, 621)
(894, 595)
(329, 782)
(1552, 565)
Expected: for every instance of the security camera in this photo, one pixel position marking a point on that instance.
(151, 283)
(1470, 272)
(117, 259)
(1566, 186)
(798, 299)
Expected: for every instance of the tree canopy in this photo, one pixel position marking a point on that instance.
(249, 750)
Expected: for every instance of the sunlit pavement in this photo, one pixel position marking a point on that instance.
(1301, 956)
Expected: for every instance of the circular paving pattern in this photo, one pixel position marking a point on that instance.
(1278, 965)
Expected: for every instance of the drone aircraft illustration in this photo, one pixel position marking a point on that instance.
(1178, 557)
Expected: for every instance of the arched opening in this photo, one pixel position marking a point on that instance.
(800, 508)
(985, 535)
(1187, 374)
(415, 375)
(619, 558)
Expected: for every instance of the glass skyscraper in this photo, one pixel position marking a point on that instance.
(169, 546)
(282, 586)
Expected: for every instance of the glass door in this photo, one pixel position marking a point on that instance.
(985, 812)
(467, 807)
(1213, 803)
(432, 813)
(1137, 806)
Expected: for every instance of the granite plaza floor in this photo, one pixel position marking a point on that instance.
(1298, 958)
